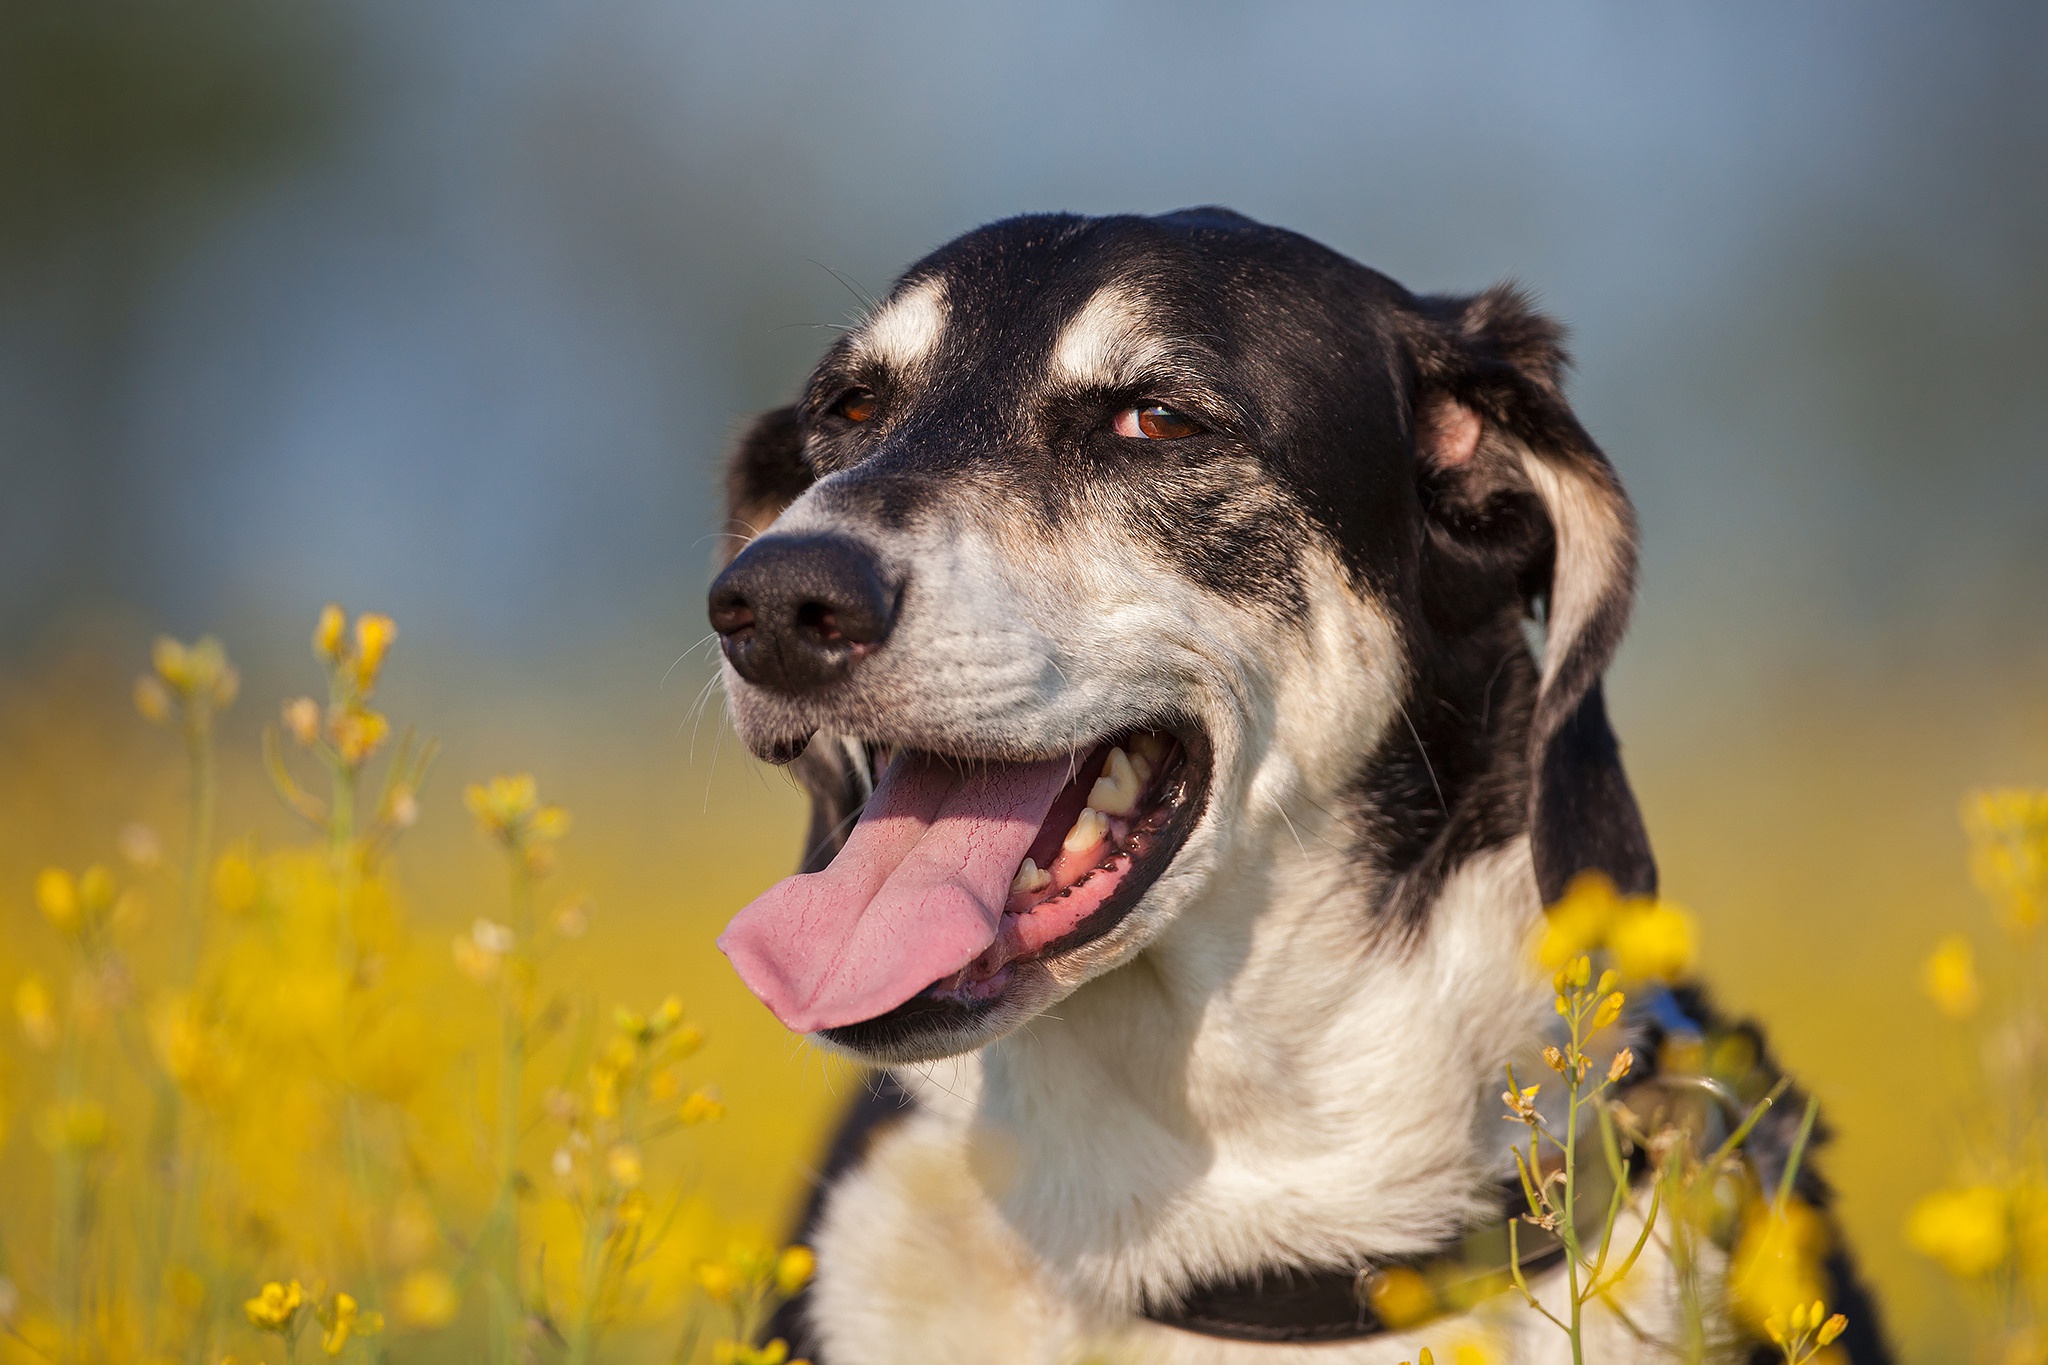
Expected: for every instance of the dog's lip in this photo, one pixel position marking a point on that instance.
(938, 1014)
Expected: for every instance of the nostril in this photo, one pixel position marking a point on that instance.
(820, 620)
(731, 615)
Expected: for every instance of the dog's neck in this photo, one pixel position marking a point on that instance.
(1267, 1084)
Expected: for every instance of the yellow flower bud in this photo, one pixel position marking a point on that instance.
(301, 717)
(173, 663)
(793, 1269)
(36, 1011)
(549, 822)
(374, 634)
(327, 632)
(152, 699)
(1950, 978)
(1966, 1230)
(57, 898)
(358, 733)
(701, 1107)
(623, 1162)
(717, 1281)
(1832, 1328)
(1608, 1011)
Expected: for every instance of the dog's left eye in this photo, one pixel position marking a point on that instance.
(856, 405)
(1155, 422)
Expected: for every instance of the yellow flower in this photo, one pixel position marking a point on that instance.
(1653, 940)
(701, 1107)
(549, 822)
(327, 632)
(274, 1309)
(1950, 978)
(1967, 1230)
(624, 1164)
(1401, 1296)
(358, 733)
(427, 1298)
(503, 804)
(1578, 923)
(793, 1269)
(197, 672)
(1776, 1264)
(36, 1011)
(57, 898)
(2008, 832)
(717, 1280)
(374, 634)
(343, 1318)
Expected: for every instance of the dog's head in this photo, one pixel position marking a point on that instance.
(1102, 541)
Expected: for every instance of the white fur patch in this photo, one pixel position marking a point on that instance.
(1591, 543)
(906, 329)
(1109, 344)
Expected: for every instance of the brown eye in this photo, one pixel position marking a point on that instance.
(1155, 422)
(855, 405)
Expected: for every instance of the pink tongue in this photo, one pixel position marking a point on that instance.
(916, 894)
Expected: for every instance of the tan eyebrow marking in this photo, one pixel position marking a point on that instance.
(1109, 343)
(904, 331)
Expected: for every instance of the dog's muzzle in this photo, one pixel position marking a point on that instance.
(796, 613)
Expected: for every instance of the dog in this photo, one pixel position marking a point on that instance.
(1191, 642)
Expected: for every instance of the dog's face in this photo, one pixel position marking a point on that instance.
(1101, 539)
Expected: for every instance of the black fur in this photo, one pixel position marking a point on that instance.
(1315, 381)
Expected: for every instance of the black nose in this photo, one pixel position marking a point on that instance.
(794, 613)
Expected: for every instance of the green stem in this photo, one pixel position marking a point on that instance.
(511, 1076)
(1568, 1224)
(68, 1228)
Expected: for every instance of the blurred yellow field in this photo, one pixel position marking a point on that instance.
(302, 1095)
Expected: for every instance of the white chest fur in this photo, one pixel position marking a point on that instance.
(1238, 1096)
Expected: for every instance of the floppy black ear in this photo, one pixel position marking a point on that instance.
(1493, 402)
(765, 474)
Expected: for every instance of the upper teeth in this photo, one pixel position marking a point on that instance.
(1116, 791)
(1088, 831)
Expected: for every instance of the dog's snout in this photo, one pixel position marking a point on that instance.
(794, 613)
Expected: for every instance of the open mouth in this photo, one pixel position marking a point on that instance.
(962, 878)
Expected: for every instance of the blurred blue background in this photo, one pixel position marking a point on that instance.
(448, 309)
(450, 306)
